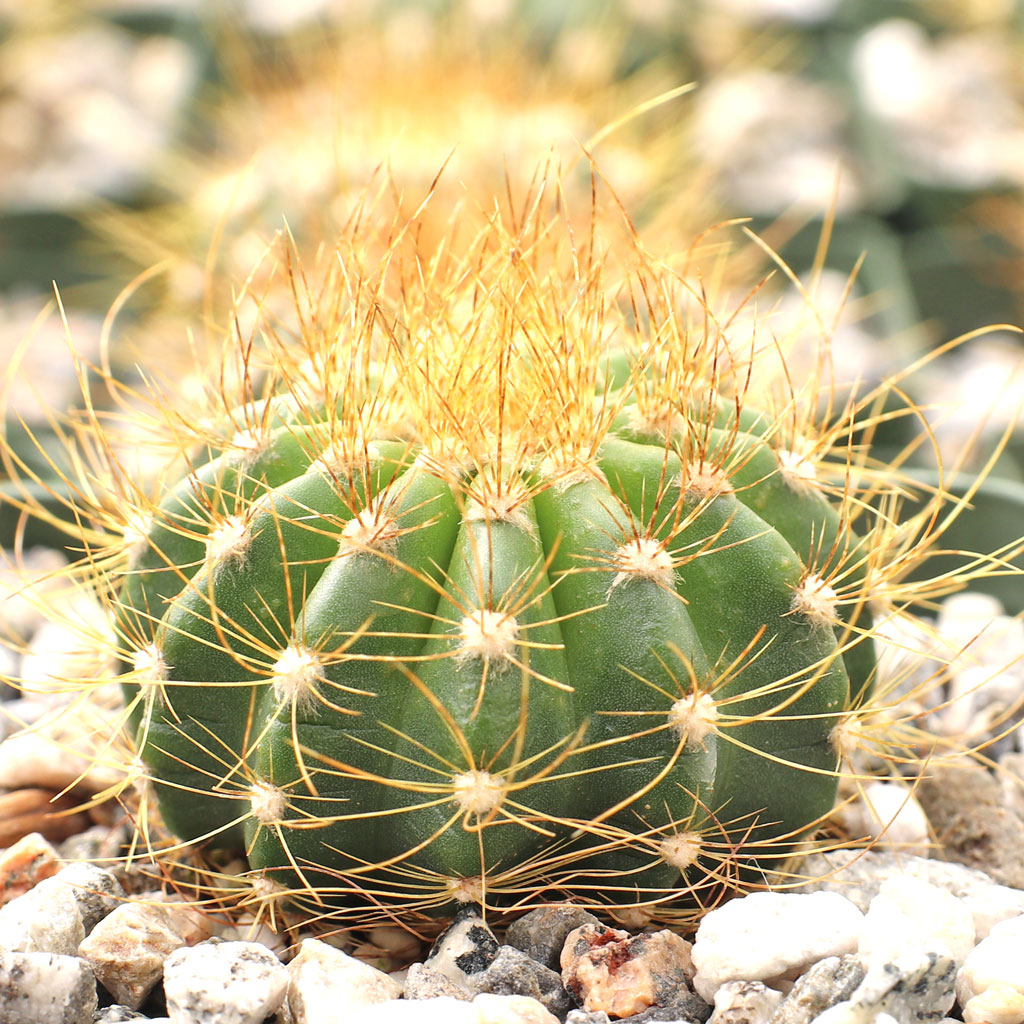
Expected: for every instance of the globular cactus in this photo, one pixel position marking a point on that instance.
(509, 578)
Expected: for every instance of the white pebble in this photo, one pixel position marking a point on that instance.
(223, 982)
(908, 912)
(751, 1002)
(327, 986)
(998, 1004)
(974, 626)
(45, 988)
(889, 814)
(56, 915)
(440, 1010)
(506, 1009)
(995, 962)
(767, 934)
(858, 874)
(486, 1008)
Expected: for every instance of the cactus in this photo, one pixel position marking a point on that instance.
(511, 576)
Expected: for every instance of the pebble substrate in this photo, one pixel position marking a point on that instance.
(927, 925)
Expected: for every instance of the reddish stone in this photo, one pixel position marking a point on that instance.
(24, 864)
(608, 969)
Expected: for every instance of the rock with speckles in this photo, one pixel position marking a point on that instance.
(223, 983)
(512, 972)
(422, 982)
(828, 982)
(914, 985)
(745, 1002)
(45, 988)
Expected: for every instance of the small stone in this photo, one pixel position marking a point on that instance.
(45, 988)
(394, 942)
(768, 935)
(910, 913)
(327, 985)
(442, 1010)
(422, 982)
(54, 815)
(858, 875)
(890, 815)
(512, 972)
(828, 982)
(56, 753)
(511, 1009)
(127, 949)
(685, 1008)
(998, 1004)
(608, 969)
(996, 963)
(98, 843)
(587, 1017)
(964, 804)
(541, 933)
(117, 1014)
(25, 864)
(56, 915)
(96, 890)
(745, 1002)
(911, 986)
(223, 982)
(466, 946)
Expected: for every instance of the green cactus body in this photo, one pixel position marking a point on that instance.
(420, 683)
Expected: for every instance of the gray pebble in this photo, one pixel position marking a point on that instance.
(688, 1008)
(513, 973)
(828, 982)
(117, 1014)
(541, 933)
(45, 988)
(96, 891)
(965, 807)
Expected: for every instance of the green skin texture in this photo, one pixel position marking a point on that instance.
(576, 724)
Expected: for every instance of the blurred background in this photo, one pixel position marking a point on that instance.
(150, 149)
